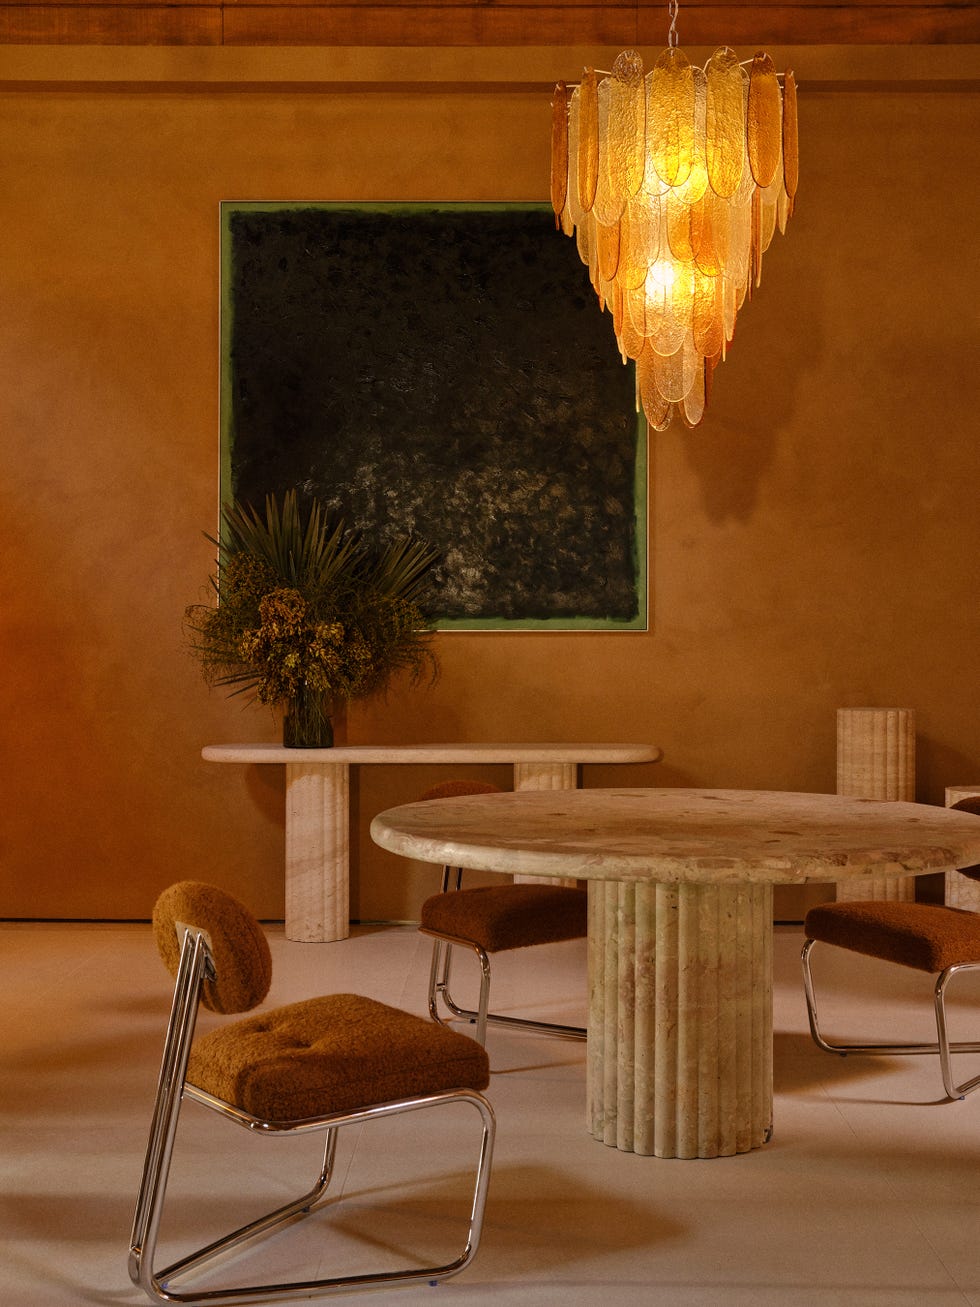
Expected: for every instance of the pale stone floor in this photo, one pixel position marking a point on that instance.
(868, 1194)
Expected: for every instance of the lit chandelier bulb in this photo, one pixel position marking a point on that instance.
(673, 183)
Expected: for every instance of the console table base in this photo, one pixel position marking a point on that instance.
(317, 879)
(317, 851)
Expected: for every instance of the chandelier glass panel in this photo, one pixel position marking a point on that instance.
(673, 183)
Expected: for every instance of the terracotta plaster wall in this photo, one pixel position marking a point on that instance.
(813, 544)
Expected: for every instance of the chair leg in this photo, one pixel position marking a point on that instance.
(159, 1285)
(481, 1015)
(943, 1046)
(442, 954)
(166, 1109)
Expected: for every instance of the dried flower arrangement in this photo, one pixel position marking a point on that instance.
(310, 617)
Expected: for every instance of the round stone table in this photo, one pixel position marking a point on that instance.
(680, 928)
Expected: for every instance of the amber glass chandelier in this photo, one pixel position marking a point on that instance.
(673, 183)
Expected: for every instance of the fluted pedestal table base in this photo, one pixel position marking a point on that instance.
(680, 1017)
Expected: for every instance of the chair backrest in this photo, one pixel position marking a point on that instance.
(236, 942)
(970, 804)
(458, 790)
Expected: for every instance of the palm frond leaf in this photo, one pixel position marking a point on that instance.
(305, 606)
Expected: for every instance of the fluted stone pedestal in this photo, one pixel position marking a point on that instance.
(876, 760)
(317, 851)
(961, 892)
(680, 1018)
(545, 776)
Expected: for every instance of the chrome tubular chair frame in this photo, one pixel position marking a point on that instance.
(943, 1046)
(449, 929)
(439, 988)
(442, 949)
(195, 967)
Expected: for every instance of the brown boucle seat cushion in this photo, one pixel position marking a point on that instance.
(926, 936)
(500, 917)
(332, 1054)
(238, 944)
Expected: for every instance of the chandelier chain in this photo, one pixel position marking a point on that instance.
(672, 8)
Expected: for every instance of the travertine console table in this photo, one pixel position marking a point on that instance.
(680, 928)
(318, 806)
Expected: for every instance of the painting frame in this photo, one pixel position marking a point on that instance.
(624, 535)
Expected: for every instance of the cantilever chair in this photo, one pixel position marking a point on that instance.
(493, 919)
(312, 1066)
(928, 937)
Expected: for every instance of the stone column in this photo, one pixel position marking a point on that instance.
(961, 892)
(876, 760)
(545, 776)
(680, 1017)
(317, 850)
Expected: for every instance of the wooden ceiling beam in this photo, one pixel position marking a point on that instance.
(461, 23)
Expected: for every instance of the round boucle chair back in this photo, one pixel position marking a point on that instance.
(970, 804)
(458, 790)
(242, 961)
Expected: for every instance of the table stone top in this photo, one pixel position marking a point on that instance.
(666, 835)
(433, 753)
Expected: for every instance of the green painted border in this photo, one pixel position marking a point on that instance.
(498, 625)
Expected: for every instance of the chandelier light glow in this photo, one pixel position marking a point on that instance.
(673, 183)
